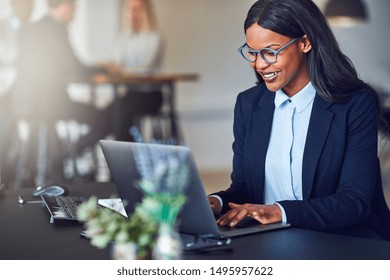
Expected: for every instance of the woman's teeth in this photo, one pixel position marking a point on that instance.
(270, 75)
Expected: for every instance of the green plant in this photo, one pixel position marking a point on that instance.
(104, 225)
(164, 176)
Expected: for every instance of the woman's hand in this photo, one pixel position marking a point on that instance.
(215, 205)
(265, 214)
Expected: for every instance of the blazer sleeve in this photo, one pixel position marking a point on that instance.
(238, 190)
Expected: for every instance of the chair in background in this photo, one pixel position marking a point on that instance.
(154, 128)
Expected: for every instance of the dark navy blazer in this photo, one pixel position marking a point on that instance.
(342, 187)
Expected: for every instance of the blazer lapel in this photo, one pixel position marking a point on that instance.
(261, 129)
(320, 121)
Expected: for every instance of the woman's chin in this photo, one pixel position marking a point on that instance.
(272, 87)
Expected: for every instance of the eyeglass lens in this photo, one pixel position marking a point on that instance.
(266, 54)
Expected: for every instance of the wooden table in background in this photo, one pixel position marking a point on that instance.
(166, 80)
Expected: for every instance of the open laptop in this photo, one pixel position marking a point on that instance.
(196, 217)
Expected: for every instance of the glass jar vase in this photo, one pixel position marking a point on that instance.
(168, 244)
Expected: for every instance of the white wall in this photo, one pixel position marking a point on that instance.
(367, 45)
(95, 28)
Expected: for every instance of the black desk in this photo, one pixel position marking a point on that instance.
(25, 233)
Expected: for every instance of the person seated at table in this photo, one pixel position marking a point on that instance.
(139, 50)
(46, 64)
(306, 136)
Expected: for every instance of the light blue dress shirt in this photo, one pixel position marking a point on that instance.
(283, 163)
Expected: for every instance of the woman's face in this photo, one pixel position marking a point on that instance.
(290, 71)
(69, 11)
(135, 13)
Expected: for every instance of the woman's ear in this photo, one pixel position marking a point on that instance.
(305, 43)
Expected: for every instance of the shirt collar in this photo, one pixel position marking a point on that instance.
(301, 100)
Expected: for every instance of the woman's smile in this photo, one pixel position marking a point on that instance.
(269, 76)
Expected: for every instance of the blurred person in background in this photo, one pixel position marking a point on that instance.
(139, 50)
(139, 47)
(46, 65)
(11, 30)
(12, 34)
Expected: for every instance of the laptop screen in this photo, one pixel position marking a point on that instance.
(195, 217)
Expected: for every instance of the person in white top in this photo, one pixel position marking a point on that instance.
(139, 46)
(139, 49)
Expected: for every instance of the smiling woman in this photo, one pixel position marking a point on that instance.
(305, 138)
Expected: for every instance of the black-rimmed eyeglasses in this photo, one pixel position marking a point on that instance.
(267, 54)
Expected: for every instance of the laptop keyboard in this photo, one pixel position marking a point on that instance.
(63, 207)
